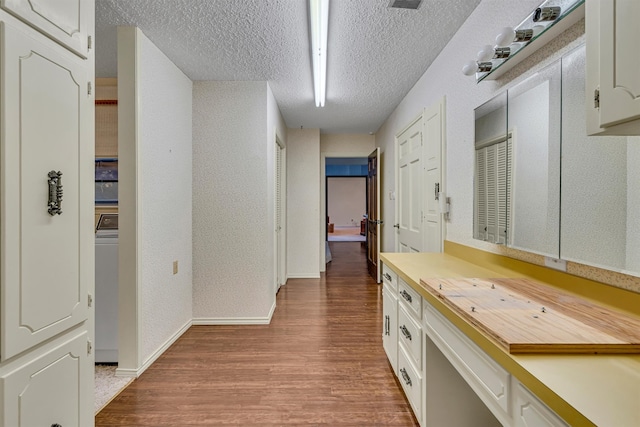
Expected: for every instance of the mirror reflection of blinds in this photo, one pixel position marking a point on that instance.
(493, 165)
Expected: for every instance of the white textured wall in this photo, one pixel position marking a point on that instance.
(347, 143)
(463, 95)
(303, 203)
(164, 198)
(232, 210)
(347, 199)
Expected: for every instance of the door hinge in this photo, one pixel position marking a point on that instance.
(596, 98)
(89, 300)
(89, 42)
(89, 88)
(89, 346)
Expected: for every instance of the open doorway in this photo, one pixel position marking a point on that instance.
(346, 208)
(345, 201)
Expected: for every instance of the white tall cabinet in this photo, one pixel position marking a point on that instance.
(613, 67)
(46, 213)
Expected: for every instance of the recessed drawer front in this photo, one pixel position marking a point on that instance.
(390, 277)
(410, 335)
(488, 379)
(530, 412)
(411, 382)
(411, 299)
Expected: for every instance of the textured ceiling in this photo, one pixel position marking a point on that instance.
(375, 53)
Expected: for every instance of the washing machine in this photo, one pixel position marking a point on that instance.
(106, 299)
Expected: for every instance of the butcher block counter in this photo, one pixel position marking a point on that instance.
(583, 389)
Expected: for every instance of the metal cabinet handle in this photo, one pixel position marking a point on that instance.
(55, 193)
(56, 425)
(386, 324)
(387, 276)
(406, 295)
(405, 332)
(406, 377)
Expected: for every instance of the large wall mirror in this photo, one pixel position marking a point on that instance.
(594, 218)
(517, 173)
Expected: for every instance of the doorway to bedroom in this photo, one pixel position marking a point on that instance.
(346, 201)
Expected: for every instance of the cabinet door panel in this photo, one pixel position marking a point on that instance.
(620, 61)
(66, 21)
(390, 325)
(48, 260)
(52, 389)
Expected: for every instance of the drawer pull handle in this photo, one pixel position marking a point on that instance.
(406, 377)
(406, 295)
(405, 332)
(387, 276)
(386, 325)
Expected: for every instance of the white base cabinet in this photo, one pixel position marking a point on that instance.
(447, 378)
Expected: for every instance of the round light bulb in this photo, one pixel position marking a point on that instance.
(537, 29)
(486, 53)
(470, 68)
(506, 36)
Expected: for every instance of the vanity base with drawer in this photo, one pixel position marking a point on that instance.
(466, 379)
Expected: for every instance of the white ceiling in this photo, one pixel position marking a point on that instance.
(375, 53)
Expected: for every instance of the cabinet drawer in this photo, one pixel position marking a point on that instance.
(488, 379)
(530, 412)
(411, 382)
(411, 299)
(55, 388)
(390, 277)
(410, 335)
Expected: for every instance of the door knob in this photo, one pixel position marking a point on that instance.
(396, 226)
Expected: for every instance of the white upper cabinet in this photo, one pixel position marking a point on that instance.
(48, 261)
(613, 67)
(66, 21)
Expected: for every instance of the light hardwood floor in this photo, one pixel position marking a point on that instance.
(320, 362)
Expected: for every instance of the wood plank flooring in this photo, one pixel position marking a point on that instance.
(320, 362)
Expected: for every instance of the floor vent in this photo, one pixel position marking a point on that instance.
(405, 4)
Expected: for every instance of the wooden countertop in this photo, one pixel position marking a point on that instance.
(601, 390)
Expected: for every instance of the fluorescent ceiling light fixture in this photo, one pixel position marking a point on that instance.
(319, 19)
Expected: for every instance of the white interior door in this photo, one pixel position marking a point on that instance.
(433, 138)
(410, 182)
(420, 184)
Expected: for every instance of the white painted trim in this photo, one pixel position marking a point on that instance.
(156, 354)
(212, 321)
(304, 276)
(236, 320)
(125, 372)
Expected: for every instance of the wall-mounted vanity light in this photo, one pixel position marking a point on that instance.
(513, 44)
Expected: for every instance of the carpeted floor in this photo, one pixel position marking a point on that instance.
(346, 234)
(107, 385)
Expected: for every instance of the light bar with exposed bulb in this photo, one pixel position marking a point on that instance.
(513, 44)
